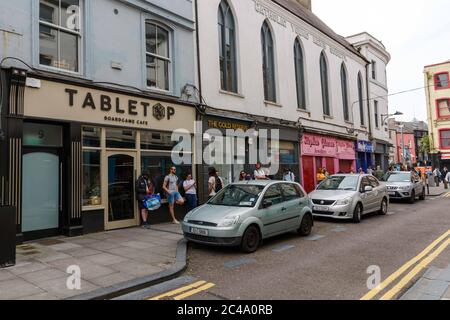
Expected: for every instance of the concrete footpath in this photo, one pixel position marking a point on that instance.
(438, 191)
(111, 263)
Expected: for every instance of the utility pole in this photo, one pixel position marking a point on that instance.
(403, 144)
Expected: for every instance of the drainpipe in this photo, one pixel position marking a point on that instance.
(202, 188)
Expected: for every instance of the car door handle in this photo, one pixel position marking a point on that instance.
(284, 209)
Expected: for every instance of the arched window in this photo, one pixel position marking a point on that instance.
(268, 63)
(227, 48)
(324, 83)
(300, 75)
(344, 87)
(361, 99)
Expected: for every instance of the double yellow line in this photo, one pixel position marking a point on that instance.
(422, 260)
(185, 292)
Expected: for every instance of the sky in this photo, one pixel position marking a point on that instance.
(415, 32)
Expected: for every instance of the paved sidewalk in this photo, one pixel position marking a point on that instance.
(108, 260)
(434, 285)
(438, 191)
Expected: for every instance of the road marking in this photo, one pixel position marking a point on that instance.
(314, 237)
(372, 293)
(195, 291)
(179, 290)
(283, 248)
(422, 265)
(238, 262)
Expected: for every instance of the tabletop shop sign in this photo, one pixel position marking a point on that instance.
(132, 108)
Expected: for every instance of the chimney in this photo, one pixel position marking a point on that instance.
(304, 3)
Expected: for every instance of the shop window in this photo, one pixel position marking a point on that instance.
(91, 137)
(92, 178)
(443, 108)
(158, 56)
(156, 140)
(158, 165)
(441, 80)
(60, 34)
(445, 139)
(120, 139)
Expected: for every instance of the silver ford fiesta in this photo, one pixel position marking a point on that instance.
(349, 197)
(243, 214)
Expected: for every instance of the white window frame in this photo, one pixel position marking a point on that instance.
(169, 59)
(60, 28)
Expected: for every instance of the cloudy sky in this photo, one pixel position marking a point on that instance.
(415, 32)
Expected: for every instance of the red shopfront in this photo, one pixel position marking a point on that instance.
(336, 155)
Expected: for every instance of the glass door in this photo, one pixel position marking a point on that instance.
(40, 191)
(121, 203)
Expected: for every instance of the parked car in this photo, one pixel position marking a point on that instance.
(245, 213)
(405, 186)
(349, 197)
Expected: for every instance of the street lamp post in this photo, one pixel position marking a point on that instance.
(385, 117)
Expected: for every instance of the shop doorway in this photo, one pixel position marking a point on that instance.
(41, 193)
(121, 204)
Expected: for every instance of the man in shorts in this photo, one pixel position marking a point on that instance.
(170, 186)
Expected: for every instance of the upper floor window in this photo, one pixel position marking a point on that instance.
(445, 139)
(300, 75)
(268, 63)
(227, 48)
(374, 70)
(324, 84)
(158, 58)
(60, 34)
(361, 99)
(377, 115)
(344, 88)
(443, 108)
(441, 81)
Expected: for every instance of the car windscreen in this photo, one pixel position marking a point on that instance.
(238, 196)
(397, 177)
(347, 183)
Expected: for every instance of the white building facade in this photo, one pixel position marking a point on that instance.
(378, 107)
(266, 64)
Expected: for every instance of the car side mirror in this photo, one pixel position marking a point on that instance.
(368, 189)
(267, 204)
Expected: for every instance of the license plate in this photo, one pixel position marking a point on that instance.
(321, 208)
(391, 193)
(200, 232)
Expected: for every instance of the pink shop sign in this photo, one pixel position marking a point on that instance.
(346, 149)
(321, 146)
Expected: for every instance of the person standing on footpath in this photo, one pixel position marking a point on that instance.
(259, 173)
(444, 174)
(144, 187)
(437, 176)
(447, 177)
(215, 183)
(288, 175)
(170, 186)
(190, 189)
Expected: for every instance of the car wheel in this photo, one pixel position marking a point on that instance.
(413, 197)
(423, 195)
(306, 226)
(251, 240)
(357, 213)
(384, 207)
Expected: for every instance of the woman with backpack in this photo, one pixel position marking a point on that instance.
(215, 183)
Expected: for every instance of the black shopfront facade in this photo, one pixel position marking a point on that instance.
(71, 152)
(221, 122)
